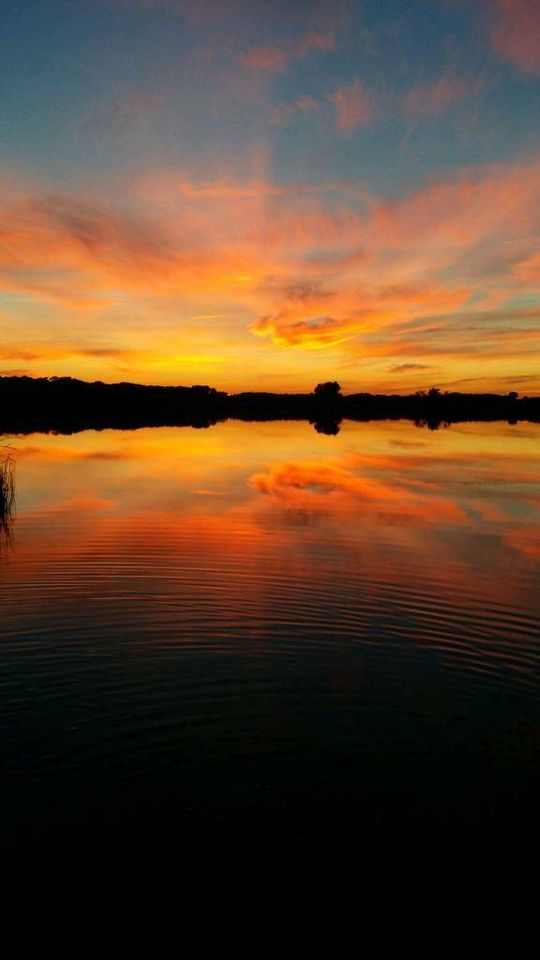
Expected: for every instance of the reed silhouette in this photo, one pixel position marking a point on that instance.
(7, 496)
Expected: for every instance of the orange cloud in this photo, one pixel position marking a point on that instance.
(46, 235)
(321, 477)
(465, 210)
(362, 311)
(302, 266)
(353, 105)
(199, 236)
(515, 32)
(529, 269)
(322, 485)
(407, 367)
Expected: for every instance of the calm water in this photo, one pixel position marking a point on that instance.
(257, 631)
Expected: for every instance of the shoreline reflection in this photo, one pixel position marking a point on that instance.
(201, 612)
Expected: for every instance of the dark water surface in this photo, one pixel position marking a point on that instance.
(257, 634)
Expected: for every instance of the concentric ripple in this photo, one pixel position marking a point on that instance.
(264, 606)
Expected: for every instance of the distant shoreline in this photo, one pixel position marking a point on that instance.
(65, 405)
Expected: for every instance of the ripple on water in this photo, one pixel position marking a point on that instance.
(140, 647)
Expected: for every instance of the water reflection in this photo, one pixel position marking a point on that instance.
(329, 426)
(266, 600)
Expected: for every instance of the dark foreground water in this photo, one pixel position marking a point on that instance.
(259, 636)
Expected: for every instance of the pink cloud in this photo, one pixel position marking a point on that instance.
(306, 103)
(276, 58)
(272, 59)
(314, 41)
(515, 32)
(285, 112)
(353, 106)
(430, 99)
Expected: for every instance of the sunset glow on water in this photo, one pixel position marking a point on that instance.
(269, 432)
(181, 607)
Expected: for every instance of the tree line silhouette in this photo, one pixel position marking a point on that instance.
(67, 405)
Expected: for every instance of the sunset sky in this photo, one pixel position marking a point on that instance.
(259, 194)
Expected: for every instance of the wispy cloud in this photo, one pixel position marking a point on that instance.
(514, 27)
(354, 106)
(407, 367)
(286, 112)
(435, 97)
(276, 58)
(309, 267)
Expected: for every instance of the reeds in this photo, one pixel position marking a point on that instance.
(7, 496)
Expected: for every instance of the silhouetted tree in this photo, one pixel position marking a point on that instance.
(328, 391)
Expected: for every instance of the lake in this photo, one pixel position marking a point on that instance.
(255, 633)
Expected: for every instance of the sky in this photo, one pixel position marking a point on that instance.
(256, 194)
